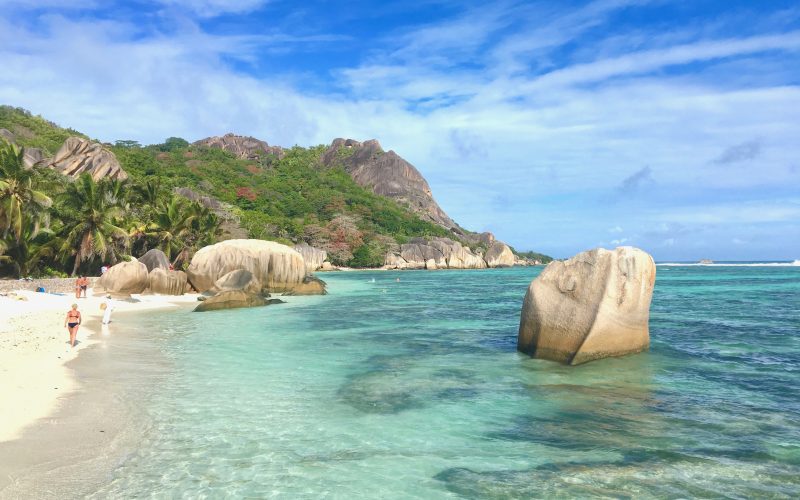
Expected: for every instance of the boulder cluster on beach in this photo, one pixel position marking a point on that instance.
(229, 274)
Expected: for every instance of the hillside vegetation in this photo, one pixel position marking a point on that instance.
(52, 224)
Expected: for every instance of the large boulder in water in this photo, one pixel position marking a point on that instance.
(499, 255)
(594, 305)
(311, 285)
(155, 259)
(231, 299)
(277, 267)
(166, 282)
(314, 257)
(125, 278)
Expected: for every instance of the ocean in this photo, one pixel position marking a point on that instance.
(414, 389)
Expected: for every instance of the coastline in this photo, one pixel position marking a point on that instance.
(34, 351)
(92, 423)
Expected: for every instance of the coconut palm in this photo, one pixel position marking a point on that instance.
(34, 245)
(180, 226)
(19, 193)
(171, 226)
(94, 212)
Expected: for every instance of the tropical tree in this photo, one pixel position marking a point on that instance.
(19, 193)
(94, 213)
(170, 226)
(34, 245)
(180, 226)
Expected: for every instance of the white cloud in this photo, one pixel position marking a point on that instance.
(553, 144)
(211, 8)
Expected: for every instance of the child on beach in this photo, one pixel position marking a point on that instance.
(72, 322)
(107, 306)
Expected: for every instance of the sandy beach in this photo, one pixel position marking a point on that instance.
(34, 350)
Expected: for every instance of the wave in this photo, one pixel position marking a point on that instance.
(795, 263)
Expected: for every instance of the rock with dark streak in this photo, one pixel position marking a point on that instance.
(594, 305)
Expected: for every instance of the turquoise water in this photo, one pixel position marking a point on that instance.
(413, 389)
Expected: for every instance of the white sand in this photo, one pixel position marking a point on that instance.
(34, 347)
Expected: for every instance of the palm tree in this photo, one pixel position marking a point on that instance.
(171, 225)
(19, 194)
(34, 245)
(180, 226)
(93, 211)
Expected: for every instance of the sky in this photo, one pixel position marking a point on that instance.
(673, 126)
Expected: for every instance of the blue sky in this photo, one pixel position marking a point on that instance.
(560, 126)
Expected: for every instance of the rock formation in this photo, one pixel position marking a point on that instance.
(277, 267)
(231, 299)
(436, 253)
(30, 156)
(499, 255)
(78, 155)
(240, 279)
(311, 285)
(594, 305)
(155, 259)
(165, 282)
(124, 278)
(247, 148)
(314, 257)
(387, 174)
(7, 135)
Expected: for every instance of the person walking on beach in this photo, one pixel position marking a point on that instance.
(84, 285)
(107, 306)
(72, 322)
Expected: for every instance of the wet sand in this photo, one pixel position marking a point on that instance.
(94, 428)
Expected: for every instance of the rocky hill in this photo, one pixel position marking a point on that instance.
(388, 174)
(353, 202)
(243, 147)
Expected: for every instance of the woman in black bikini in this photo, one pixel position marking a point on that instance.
(72, 322)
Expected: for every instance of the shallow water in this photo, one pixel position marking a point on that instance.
(414, 389)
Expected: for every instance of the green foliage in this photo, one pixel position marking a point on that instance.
(20, 197)
(34, 131)
(173, 143)
(280, 201)
(290, 199)
(126, 143)
(544, 259)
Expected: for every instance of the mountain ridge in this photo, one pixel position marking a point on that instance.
(353, 200)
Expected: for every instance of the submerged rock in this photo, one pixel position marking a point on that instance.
(125, 278)
(592, 306)
(277, 267)
(231, 299)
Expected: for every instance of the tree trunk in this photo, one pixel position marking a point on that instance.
(77, 264)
